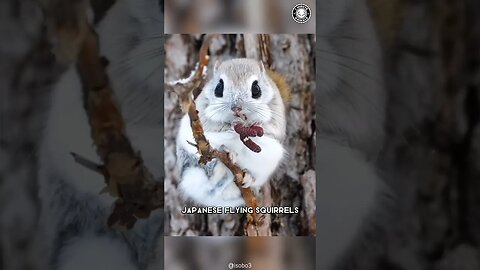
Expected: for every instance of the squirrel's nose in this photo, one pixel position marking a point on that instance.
(236, 110)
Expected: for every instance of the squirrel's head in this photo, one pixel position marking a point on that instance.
(240, 88)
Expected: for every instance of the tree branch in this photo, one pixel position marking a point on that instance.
(125, 174)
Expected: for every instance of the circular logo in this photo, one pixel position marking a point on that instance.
(301, 13)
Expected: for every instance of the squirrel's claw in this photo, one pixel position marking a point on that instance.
(232, 154)
(247, 180)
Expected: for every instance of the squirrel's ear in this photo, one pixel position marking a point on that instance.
(216, 65)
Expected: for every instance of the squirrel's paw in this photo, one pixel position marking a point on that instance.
(231, 154)
(247, 180)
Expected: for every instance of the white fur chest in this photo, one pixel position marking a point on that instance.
(260, 165)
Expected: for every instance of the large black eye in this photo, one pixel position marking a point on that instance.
(256, 91)
(219, 89)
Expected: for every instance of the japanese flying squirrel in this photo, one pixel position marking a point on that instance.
(240, 90)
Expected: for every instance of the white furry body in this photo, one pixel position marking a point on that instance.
(260, 166)
(213, 184)
(350, 114)
(74, 214)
